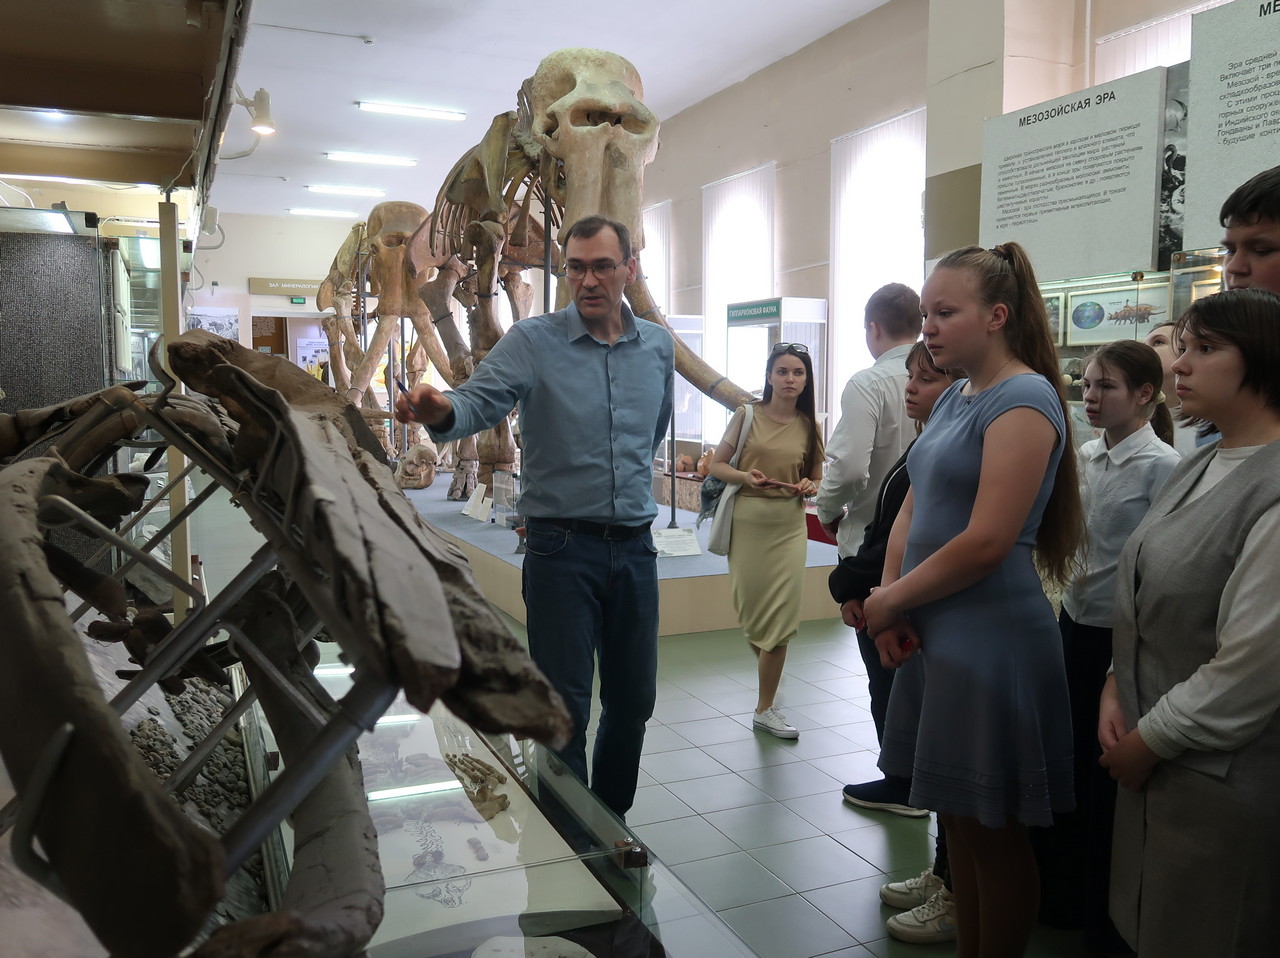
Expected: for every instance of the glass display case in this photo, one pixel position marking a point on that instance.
(488, 838)
(1196, 273)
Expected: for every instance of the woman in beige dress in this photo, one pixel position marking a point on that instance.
(779, 466)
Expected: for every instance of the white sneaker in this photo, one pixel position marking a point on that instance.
(771, 720)
(934, 921)
(904, 895)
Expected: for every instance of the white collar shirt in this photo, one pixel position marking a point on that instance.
(1117, 486)
(872, 434)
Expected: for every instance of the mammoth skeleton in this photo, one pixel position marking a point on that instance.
(576, 145)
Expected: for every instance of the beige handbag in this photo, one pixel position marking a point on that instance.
(722, 524)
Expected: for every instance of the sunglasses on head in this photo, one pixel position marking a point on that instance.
(797, 348)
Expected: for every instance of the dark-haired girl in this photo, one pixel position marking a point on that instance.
(1121, 474)
(780, 464)
(1188, 721)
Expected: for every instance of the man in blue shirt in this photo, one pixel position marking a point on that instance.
(593, 386)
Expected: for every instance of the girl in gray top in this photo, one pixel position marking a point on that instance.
(1188, 721)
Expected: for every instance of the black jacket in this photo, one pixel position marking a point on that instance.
(858, 574)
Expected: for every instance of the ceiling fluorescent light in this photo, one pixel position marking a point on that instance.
(345, 214)
(422, 112)
(347, 191)
(374, 158)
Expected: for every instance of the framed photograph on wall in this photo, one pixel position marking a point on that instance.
(1099, 315)
(1116, 312)
(222, 321)
(1151, 305)
(1053, 309)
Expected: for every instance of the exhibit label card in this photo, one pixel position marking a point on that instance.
(1076, 180)
(482, 511)
(676, 542)
(1234, 115)
(474, 502)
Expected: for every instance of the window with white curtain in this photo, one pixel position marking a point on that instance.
(877, 232)
(737, 266)
(655, 259)
(1155, 43)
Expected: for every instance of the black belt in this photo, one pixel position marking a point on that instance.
(597, 529)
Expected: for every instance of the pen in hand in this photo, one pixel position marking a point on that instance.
(405, 389)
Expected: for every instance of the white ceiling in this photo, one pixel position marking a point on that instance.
(313, 57)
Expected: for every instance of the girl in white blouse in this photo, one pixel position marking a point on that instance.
(1120, 474)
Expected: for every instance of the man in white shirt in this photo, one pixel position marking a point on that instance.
(874, 429)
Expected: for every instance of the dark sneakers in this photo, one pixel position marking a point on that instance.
(884, 796)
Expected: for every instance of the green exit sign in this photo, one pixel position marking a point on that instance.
(298, 300)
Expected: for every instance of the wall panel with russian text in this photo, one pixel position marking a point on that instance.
(1076, 180)
(1234, 123)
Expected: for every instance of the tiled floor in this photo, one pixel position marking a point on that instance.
(755, 825)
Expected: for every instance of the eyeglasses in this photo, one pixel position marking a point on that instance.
(601, 271)
(797, 348)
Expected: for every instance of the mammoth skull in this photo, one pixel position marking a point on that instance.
(582, 109)
(391, 224)
(417, 470)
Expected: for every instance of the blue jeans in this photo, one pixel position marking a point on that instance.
(587, 598)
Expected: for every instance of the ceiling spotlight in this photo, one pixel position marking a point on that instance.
(347, 191)
(260, 113)
(338, 214)
(259, 109)
(422, 112)
(374, 158)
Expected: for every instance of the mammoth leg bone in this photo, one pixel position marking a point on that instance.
(519, 293)
(495, 447)
(362, 375)
(437, 296)
(337, 353)
(466, 466)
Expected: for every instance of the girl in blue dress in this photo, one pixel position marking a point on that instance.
(979, 717)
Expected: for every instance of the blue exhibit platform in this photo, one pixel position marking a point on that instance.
(694, 590)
